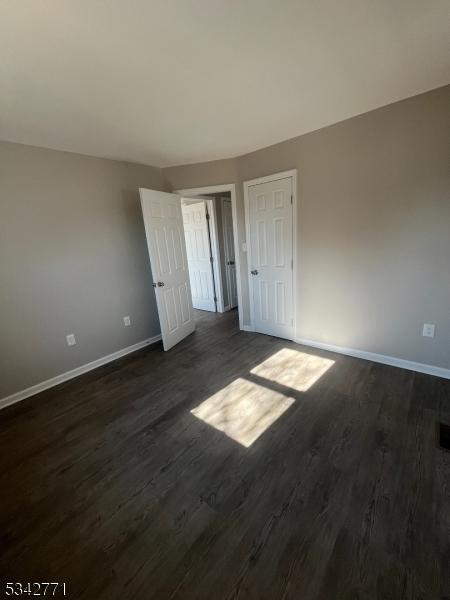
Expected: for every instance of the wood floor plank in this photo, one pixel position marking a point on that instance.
(110, 483)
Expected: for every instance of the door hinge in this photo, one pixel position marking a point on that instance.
(215, 299)
(207, 216)
(292, 199)
(211, 258)
(292, 263)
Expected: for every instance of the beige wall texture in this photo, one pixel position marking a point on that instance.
(374, 226)
(73, 259)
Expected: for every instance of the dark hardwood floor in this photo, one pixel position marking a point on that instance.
(109, 482)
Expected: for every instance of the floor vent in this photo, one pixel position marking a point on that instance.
(444, 436)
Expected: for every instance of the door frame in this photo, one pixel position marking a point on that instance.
(213, 232)
(266, 179)
(214, 189)
(228, 307)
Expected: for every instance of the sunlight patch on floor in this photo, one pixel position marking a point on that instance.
(243, 410)
(293, 369)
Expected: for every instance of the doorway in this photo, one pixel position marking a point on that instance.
(215, 286)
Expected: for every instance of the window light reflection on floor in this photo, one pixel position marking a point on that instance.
(294, 369)
(243, 410)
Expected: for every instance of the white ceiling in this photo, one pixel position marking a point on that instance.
(167, 82)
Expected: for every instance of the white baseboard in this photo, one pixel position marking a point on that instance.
(379, 358)
(45, 385)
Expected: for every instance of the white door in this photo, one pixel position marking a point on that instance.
(164, 230)
(230, 261)
(271, 254)
(199, 255)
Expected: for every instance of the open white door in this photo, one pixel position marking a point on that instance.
(199, 255)
(166, 246)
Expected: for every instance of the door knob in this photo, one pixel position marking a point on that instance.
(254, 272)
(230, 262)
(160, 284)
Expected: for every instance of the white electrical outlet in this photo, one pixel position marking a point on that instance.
(127, 321)
(71, 339)
(428, 330)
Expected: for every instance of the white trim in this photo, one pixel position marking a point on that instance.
(216, 254)
(49, 383)
(247, 184)
(294, 246)
(209, 189)
(247, 328)
(224, 241)
(249, 257)
(224, 246)
(379, 358)
(214, 189)
(273, 177)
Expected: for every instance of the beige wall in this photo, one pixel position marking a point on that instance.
(73, 259)
(374, 241)
(374, 226)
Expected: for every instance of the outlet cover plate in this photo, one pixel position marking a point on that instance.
(428, 330)
(71, 339)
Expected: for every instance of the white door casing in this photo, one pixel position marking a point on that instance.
(214, 189)
(165, 239)
(230, 260)
(199, 255)
(270, 233)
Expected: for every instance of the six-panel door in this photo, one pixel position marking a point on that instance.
(270, 224)
(199, 256)
(165, 238)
